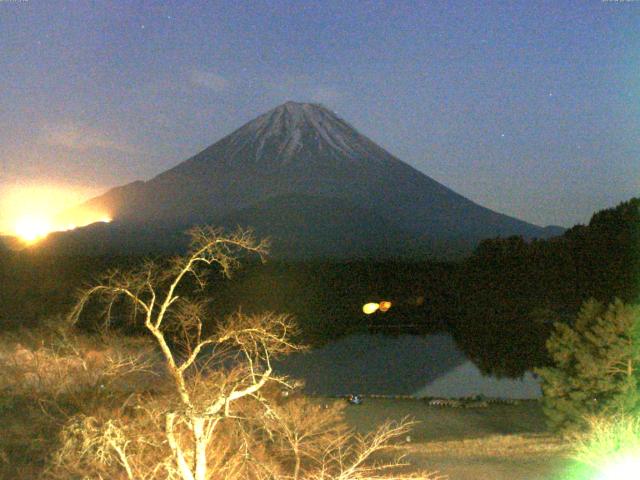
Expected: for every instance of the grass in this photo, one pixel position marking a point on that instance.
(499, 442)
(499, 446)
(495, 457)
(446, 423)
(28, 437)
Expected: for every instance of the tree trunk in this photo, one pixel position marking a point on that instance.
(296, 471)
(200, 456)
(183, 468)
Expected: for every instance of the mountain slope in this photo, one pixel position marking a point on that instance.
(302, 226)
(307, 151)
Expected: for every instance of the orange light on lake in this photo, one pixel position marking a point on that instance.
(32, 212)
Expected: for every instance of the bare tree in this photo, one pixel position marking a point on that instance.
(305, 429)
(56, 361)
(176, 324)
(322, 447)
(354, 457)
(217, 416)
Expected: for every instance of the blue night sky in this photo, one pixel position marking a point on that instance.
(531, 108)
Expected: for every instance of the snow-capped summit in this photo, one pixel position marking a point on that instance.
(296, 132)
(305, 177)
(297, 126)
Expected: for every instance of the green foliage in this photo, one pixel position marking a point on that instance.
(606, 253)
(511, 292)
(596, 365)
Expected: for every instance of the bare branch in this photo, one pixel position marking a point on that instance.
(220, 410)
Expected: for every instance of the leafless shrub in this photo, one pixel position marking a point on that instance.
(62, 361)
(353, 457)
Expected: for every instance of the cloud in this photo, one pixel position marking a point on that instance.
(77, 137)
(210, 80)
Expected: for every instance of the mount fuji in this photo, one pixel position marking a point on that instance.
(310, 181)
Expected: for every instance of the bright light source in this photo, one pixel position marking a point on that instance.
(625, 468)
(369, 308)
(385, 305)
(31, 212)
(372, 307)
(32, 228)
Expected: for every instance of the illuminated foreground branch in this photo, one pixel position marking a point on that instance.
(176, 324)
(220, 413)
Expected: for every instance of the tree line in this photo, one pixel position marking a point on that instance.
(500, 304)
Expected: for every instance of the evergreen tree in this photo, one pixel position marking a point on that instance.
(596, 365)
(606, 253)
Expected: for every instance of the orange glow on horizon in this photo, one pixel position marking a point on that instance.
(32, 228)
(33, 212)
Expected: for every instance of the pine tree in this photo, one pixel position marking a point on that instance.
(596, 366)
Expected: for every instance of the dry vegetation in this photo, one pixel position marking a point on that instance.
(496, 457)
(499, 442)
(215, 410)
(497, 446)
